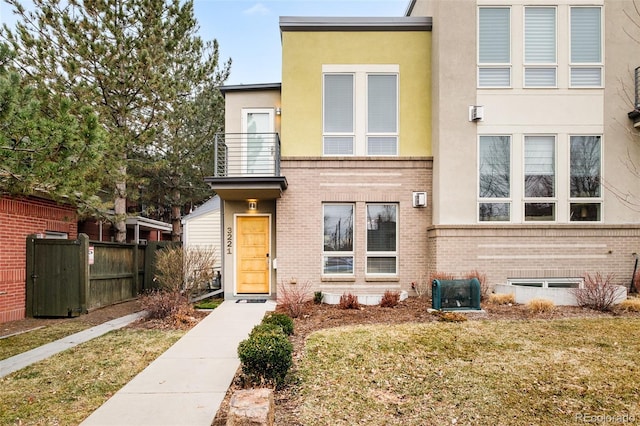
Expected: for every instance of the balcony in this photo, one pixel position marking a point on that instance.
(247, 165)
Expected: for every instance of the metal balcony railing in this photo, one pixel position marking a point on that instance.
(247, 155)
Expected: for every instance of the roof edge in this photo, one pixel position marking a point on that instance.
(248, 87)
(403, 23)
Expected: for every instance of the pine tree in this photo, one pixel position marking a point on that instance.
(49, 145)
(130, 60)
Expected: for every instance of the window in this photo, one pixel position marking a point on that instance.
(338, 114)
(382, 239)
(338, 239)
(360, 110)
(382, 114)
(548, 282)
(494, 178)
(539, 178)
(585, 182)
(540, 47)
(586, 47)
(494, 47)
(56, 235)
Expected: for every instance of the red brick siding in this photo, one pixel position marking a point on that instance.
(20, 217)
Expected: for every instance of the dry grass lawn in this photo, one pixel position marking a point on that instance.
(476, 372)
(14, 345)
(68, 387)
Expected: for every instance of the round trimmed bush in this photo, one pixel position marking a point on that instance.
(266, 357)
(283, 320)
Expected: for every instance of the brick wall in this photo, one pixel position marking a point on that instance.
(20, 217)
(548, 251)
(314, 181)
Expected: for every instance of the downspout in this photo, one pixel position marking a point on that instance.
(632, 288)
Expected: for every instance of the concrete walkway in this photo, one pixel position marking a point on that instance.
(15, 363)
(187, 383)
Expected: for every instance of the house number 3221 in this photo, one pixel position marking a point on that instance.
(229, 240)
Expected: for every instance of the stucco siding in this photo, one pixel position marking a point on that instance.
(304, 53)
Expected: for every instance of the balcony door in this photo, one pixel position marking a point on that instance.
(259, 141)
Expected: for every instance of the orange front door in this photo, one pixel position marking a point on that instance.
(253, 261)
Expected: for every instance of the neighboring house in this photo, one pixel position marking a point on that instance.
(201, 229)
(20, 217)
(139, 230)
(507, 115)
(527, 191)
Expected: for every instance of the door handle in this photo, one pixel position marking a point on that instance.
(267, 260)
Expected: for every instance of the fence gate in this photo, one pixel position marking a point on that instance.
(55, 277)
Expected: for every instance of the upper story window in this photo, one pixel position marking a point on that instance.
(586, 47)
(338, 114)
(540, 60)
(494, 47)
(382, 114)
(360, 110)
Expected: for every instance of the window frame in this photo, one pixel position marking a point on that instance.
(381, 253)
(360, 133)
(539, 65)
(506, 66)
(585, 201)
(337, 253)
(586, 65)
(495, 200)
(553, 200)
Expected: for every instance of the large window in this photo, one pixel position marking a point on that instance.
(539, 178)
(360, 110)
(338, 114)
(382, 114)
(494, 47)
(585, 182)
(494, 178)
(382, 238)
(586, 47)
(338, 239)
(540, 47)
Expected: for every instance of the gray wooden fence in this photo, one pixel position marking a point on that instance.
(70, 277)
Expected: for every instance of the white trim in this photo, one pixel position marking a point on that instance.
(235, 254)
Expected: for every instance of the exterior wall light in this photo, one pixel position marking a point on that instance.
(252, 205)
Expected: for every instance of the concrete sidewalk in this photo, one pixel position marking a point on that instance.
(15, 363)
(187, 383)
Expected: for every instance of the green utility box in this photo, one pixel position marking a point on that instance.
(450, 295)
